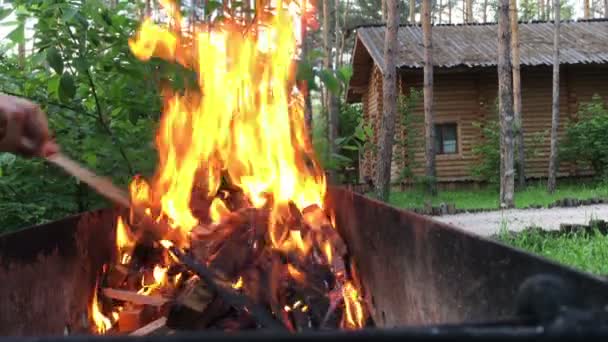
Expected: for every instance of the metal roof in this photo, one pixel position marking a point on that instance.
(581, 42)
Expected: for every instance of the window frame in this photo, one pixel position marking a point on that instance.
(439, 139)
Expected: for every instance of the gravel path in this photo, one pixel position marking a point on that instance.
(488, 223)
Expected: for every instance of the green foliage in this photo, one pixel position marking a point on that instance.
(354, 137)
(487, 197)
(102, 105)
(487, 150)
(414, 137)
(586, 139)
(584, 251)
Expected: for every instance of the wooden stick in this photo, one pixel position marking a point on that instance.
(102, 185)
(134, 297)
(150, 327)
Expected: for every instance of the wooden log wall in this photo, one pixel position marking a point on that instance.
(466, 96)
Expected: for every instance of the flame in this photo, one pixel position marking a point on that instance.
(295, 273)
(238, 284)
(353, 307)
(124, 241)
(101, 322)
(166, 244)
(218, 210)
(249, 123)
(244, 124)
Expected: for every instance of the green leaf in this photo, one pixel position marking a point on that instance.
(330, 81)
(54, 59)
(52, 86)
(212, 6)
(345, 73)
(81, 64)
(38, 58)
(18, 34)
(68, 14)
(5, 12)
(67, 88)
(314, 55)
(305, 72)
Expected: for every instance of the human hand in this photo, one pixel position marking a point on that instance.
(24, 128)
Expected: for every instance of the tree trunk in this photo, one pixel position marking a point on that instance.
(384, 10)
(450, 12)
(586, 9)
(518, 127)
(148, 8)
(469, 11)
(555, 107)
(541, 10)
(303, 84)
(331, 104)
(429, 121)
(21, 53)
(548, 10)
(606, 9)
(389, 98)
(345, 13)
(505, 107)
(485, 11)
(464, 11)
(412, 11)
(440, 11)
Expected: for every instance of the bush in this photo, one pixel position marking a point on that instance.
(487, 151)
(586, 139)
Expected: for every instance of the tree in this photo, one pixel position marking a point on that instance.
(429, 131)
(555, 106)
(605, 8)
(485, 11)
(450, 4)
(505, 107)
(412, 11)
(331, 103)
(541, 10)
(586, 9)
(469, 14)
(518, 127)
(389, 86)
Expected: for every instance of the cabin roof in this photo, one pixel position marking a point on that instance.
(476, 45)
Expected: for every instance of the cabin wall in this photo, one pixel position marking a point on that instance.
(469, 96)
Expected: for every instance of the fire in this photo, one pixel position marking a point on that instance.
(353, 308)
(243, 125)
(101, 322)
(124, 241)
(238, 284)
(249, 123)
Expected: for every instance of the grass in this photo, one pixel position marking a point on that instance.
(487, 198)
(586, 252)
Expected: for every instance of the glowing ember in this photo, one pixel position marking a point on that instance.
(238, 284)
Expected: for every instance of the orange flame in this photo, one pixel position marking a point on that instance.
(353, 308)
(101, 322)
(249, 122)
(246, 122)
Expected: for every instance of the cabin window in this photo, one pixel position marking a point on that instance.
(446, 138)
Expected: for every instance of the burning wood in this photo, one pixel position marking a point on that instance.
(232, 232)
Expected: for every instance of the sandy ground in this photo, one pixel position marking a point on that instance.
(488, 223)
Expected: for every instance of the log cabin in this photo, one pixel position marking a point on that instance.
(466, 88)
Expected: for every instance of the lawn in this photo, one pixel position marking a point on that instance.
(487, 198)
(586, 252)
